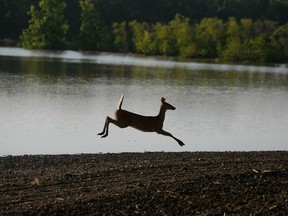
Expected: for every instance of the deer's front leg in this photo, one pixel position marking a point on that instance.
(165, 133)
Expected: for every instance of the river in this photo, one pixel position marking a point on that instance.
(55, 102)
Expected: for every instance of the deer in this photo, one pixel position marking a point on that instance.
(124, 118)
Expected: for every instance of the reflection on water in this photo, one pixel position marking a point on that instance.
(56, 102)
(53, 71)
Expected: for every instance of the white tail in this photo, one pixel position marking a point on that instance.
(120, 102)
(125, 118)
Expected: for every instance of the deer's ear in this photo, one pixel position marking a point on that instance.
(162, 99)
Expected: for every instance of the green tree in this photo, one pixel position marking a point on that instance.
(90, 34)
(233, 28)
(122, 37)
(255, 40)
(246, 28)
(47, 27)
(210, 37)
(165, 39)
(255, 50)
(183, 36)
(264, 28)
(143, 38)
(279, 42)
(232, 51)
(251, 47)
(150, 42)
(248, 41)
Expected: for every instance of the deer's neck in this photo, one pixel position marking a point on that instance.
(162, 112)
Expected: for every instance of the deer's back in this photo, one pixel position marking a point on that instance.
(140, 122)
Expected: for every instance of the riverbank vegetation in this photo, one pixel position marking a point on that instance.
(244, 40)
(238, 30)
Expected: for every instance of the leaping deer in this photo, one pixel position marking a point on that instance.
(124, 118)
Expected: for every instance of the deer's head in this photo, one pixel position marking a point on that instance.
(166, 105)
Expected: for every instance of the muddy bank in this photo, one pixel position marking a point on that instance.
(145, 184)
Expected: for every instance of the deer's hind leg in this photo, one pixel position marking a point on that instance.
(105, 126)
(109, 120)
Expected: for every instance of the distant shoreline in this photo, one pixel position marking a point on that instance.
(143, 60)
(71, 47)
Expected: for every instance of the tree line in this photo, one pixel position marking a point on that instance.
(13, 13)
(239, 30)
(244, 40)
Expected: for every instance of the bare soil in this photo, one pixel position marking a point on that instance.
(186, 183)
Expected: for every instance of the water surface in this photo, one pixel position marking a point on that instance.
(56, 102)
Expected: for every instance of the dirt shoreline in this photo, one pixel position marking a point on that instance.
(152, 183)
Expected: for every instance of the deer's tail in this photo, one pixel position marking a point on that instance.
(120, 102)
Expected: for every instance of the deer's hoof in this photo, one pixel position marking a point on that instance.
(105, 135)
(181, 144)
